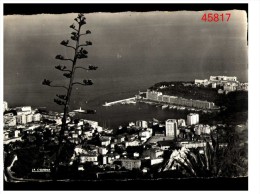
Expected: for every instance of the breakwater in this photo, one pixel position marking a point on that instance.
(127, 101)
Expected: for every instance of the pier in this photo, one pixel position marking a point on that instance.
(128, 100)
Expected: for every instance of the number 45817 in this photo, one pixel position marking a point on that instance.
(215, 17)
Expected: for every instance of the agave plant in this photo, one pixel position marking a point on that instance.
(196, 162)
(212, 160)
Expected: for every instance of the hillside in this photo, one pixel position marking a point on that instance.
(234, 101)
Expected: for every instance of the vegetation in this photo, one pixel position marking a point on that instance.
(189, 91)
(69, 73)
(216, 161)
(236, 101)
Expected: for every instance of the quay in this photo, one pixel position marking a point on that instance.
(128, 100)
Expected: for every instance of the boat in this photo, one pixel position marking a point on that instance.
(132, 102)
(164, 106)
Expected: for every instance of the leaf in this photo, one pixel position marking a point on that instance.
(60, 57)
(65, 43)
(59, 102)
(91, 67)
(46, 82)
(68, 75)
(88, 43)
(72, 26)
(63, 97)
(88, 82)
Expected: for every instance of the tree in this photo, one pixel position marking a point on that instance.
(79, 53)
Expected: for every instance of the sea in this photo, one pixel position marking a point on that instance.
(105, 89)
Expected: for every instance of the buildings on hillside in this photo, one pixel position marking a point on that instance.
(21, 116)
(135, 146)
(224, 84)
(227, 83)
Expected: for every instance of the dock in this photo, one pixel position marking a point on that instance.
(128, 100)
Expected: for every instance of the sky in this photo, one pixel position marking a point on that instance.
(132, 48)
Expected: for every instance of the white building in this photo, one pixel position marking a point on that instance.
(132, 143)
(16, 133)
(104, 160)
(104, 141)
(197, 129)
(142, 124)
(10, 121)
(102, 150)
(88, 158)
(214, 85)
(192, 119)
(80, 123)
(93, 124)
(25, 110)
(99, 129)
(155, 153)
(5, 106)
(201, 81)
(145, 134)
(88, 134)
(206, 129)
(223, 78)
(156, 161)
(131, 124)
(171, 128)
(29, 118)
(21, 119)
(181, 123)
(58, 121)
(153, 95)
(230, 87)
(150, 131)
(36, 117)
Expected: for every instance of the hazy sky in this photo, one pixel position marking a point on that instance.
(137, 45)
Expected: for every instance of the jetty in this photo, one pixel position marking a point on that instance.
(124, 101)
(79, 110)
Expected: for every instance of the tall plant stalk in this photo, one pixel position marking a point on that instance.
(79, 53)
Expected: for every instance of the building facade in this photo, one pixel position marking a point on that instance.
(192, 119)
(130, 164)
(5, 106)
(171, 128)
(142, 124)
(158, 97)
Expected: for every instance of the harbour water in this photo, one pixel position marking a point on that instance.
(122, 114)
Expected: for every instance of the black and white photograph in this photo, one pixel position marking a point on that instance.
(125, 96)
